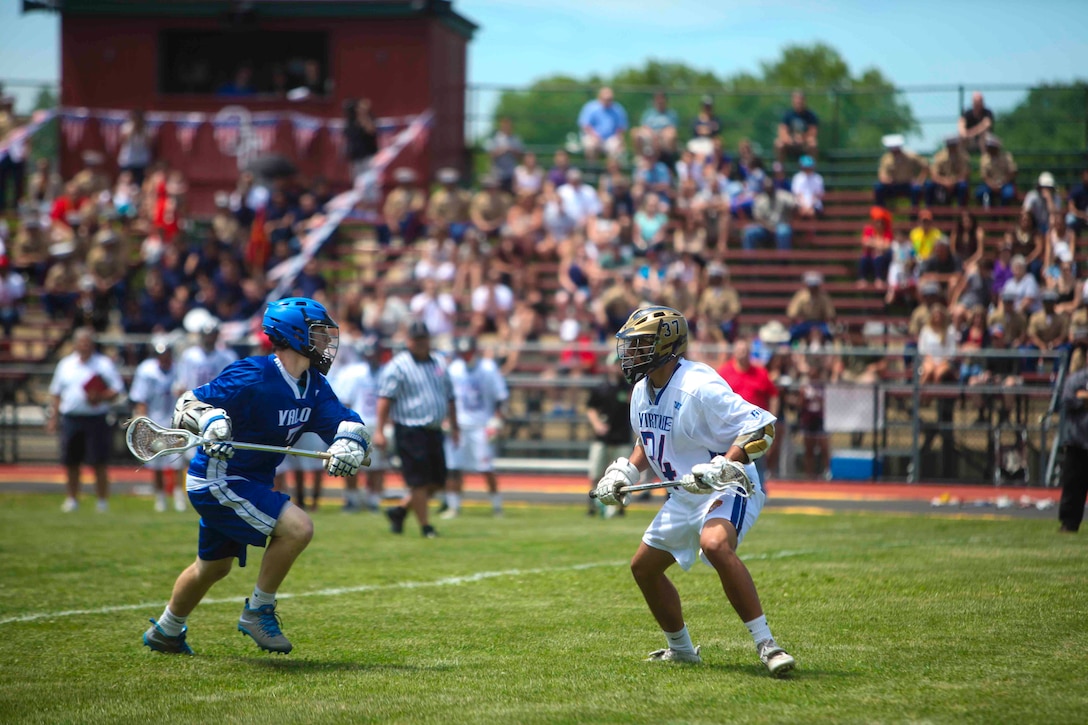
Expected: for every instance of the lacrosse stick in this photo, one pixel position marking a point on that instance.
(148, 440)
(734, 486)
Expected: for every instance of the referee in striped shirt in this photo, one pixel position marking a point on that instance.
(414, 391)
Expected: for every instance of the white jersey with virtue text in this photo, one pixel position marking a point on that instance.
(154, 387)
(197, 367)
(357, 387)
(695, 417)
(478, 389)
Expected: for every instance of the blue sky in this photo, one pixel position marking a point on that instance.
(921, 42)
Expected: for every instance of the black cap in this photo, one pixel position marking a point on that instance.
(418, 328)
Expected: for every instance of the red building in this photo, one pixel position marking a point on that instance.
(199, 56)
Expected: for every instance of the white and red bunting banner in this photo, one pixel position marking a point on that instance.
(304, 129)
(73, 123)
(227, 132)
(185, 129)
(335, 127)
(109, 127)
(265, 128)
(154, 122)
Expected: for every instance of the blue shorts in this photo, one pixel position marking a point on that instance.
(234, 513)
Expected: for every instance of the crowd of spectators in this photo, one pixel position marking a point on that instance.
(540, 249)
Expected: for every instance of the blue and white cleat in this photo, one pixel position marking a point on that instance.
(263, 626)
(160, 641)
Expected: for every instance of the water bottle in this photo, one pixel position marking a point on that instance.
(757, 351)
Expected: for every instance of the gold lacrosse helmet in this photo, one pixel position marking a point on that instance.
(651, 337)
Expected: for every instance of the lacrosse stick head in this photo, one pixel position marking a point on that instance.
(147, 439)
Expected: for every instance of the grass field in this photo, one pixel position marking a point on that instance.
(534, 618)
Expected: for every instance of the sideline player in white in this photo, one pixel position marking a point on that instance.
(271, 400)
(201, 363)
(357, 386)
(153, 396)
(480, 392)
(693, 429)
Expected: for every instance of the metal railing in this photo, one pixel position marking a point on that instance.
(844, 413)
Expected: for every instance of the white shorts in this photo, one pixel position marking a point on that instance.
(175, 462)
(678, 524)
(473, 453)
(308, 442)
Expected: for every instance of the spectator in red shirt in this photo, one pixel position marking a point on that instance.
(752, 383)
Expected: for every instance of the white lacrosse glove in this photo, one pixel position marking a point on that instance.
(216, 429)
(494, 428)
(621, 472)
(350, 449)
(721, 474)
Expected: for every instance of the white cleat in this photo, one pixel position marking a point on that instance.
(102, 506)
(179, 500)
(673, 655)
(777, 660)
(449, 514)
(160, 503)
(70, 505)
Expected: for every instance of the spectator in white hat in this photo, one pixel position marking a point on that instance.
(1042, 201)
(901, 172)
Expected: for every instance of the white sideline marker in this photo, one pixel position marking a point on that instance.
(339, 591)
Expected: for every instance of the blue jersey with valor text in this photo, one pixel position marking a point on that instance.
(266, 406)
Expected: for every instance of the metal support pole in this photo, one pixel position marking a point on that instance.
(876, 428)
(916, 423)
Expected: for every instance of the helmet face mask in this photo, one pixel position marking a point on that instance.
(303, 325)
(651, 337)
(324, 342)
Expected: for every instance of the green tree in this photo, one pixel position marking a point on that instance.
(1050, 118)
(855, 110)
(46, 142)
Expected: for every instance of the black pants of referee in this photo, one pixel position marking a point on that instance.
(1074, 487)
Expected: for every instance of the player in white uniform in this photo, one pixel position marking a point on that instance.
(201, 363)
(356, 384)
(693, 429)
(152, 393)
(480, 392)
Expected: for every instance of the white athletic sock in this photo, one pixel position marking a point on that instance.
(496, 501)
(373, 500)
(759, 629)
(680, 641)
(453, 500)
(170, 623)
(259, 598)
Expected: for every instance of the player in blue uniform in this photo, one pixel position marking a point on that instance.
(272, 400)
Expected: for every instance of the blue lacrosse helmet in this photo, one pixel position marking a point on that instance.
(304, 326)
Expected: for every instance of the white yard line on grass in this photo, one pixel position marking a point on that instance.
(339, 591)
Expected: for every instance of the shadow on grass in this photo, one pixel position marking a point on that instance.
(758, 672)
(282, 664)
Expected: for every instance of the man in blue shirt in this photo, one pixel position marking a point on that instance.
(797, 131)
(1076, 217)
(657, 127)
(603, 123)
(270, 400)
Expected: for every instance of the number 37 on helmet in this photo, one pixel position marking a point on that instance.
(651, 337)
